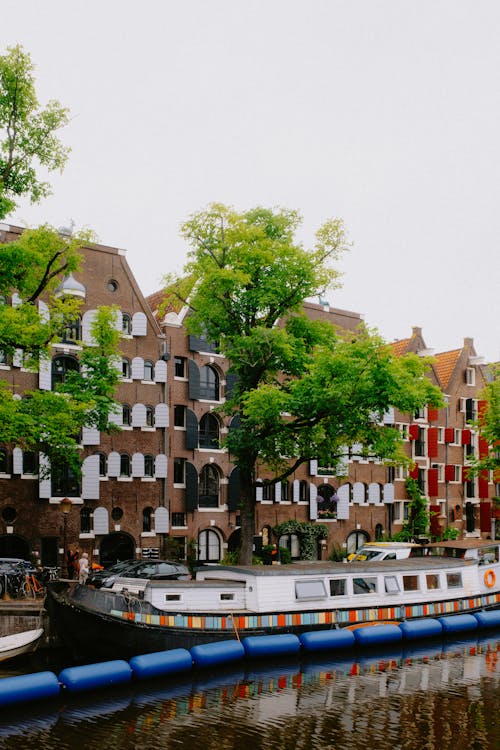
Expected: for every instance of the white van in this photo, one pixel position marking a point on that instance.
(377, 551)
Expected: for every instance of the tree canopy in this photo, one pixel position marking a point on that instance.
(304, 390)
(28, 137)
(488, 425)
(50, 421)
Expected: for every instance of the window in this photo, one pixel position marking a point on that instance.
(410, 583)
(30, 462)
(4, 359)
(178, 519)
(470, 410)
(314, 589)
(268, 492)
(126, 368)
(420, 443)
(440, 434)
(124, 465)
(149, 466)
(327, 502)
(117, 514)
(209, 546)
(208, 496)
(126, 324)
(179, 367)
(61, 366)
(149, 370)
(180, 416)
(150, 416)
(391, 585)
(209, 431)
(64, 482)
(209, 383)
(126, 415)
(71, 332)
(285, 491)
(364, 585)
(355, 540)
(4, 461)
(179, 471)
(291, 543)
(9, 514)
(470, 376)
(147, 516)
(112, 285)
(420, 413)
(303, 491)
(454, 580)
(432, 581)
(337, 587)
(103, 464)
(85, 521)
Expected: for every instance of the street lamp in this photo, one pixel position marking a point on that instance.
(65, 507)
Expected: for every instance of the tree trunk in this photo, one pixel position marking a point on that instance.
(247, 518)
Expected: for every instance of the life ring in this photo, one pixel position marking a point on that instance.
(490, 578)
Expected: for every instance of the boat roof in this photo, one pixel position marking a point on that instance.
(464, 544)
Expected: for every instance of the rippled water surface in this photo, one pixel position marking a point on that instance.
(439, 696)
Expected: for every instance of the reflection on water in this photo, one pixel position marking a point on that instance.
(444, 696)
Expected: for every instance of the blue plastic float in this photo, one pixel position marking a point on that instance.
(219, 652)
(161, 663)
(327, 640)
(93, 676)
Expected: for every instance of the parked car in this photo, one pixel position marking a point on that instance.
(159, 570)
(377, 551)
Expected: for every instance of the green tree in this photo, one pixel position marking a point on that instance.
(303, 389)
(50, 421)
(417, 523)
(27, 132)
(488, 424)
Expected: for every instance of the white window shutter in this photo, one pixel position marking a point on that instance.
(139, 324)
(258, 493)
(374, 493)
(313, 502)
(90, 478)
(358, 492)
(138, 368)
(138, 415)
(160, 371)
(161, 466)
(161, 521)
(277, 492)
(356, 451)
(388, 492)
(101, 521)
(43, 311)
(17, 358)
(343, 466)
(90, 436)
(17, 461)
(114, 464)
(45, 482)
(313, 467)
(343, 502)
(87, 320)
(138, 465)
(45, 375)
(296, 491)
(162, 415)
(118, 320)
(16, 300)
(388, 417)
(116, 415)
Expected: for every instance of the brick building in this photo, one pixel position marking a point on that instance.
(163, 485)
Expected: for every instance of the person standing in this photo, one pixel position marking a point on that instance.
(83, 571)
(72, 563)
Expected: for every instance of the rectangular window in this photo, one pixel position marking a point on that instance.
(410, 583)
(30, 462)
(364, 585)
(178, 519)
(337, 587)
(310, 589)
(391, 584)
(440, 434)
(179, 367)
(227, 597)
(173, 598)
(179, 470)
(470, 376)
(420, 443)
(179, 416)
(454, 580)
(432, 581)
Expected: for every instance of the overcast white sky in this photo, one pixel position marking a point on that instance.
(383, 112)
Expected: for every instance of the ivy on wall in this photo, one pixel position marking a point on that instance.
(308, 535)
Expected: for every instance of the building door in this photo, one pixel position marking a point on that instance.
(115, 547)
(49, 551)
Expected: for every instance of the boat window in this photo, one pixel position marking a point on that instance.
(391, 584)
(227, 597)
(488, 555)
(410, 583)
(172, 597)
(337, 587)
(310, 589)
(364, 585)
(432, 580)
(454, 580)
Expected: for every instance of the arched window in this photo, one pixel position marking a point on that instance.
(208, 488)
(327, 502)
(126, 324)
(355, 540)
(150, 416)
(4, 461)
(85, 521)
(126, 368)
(103, 464)
(209, 383)
(291, 542)
(60, 368)
(149, 466)
(147, 519)
(126, 415)
(124, 465)
(72, 331)
(209, 431)
(149, 370)
(379, 532)
(209, 546)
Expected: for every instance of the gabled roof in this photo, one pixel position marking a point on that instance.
(400, 347)
(444, 365)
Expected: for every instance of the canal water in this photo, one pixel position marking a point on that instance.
(442, 696)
